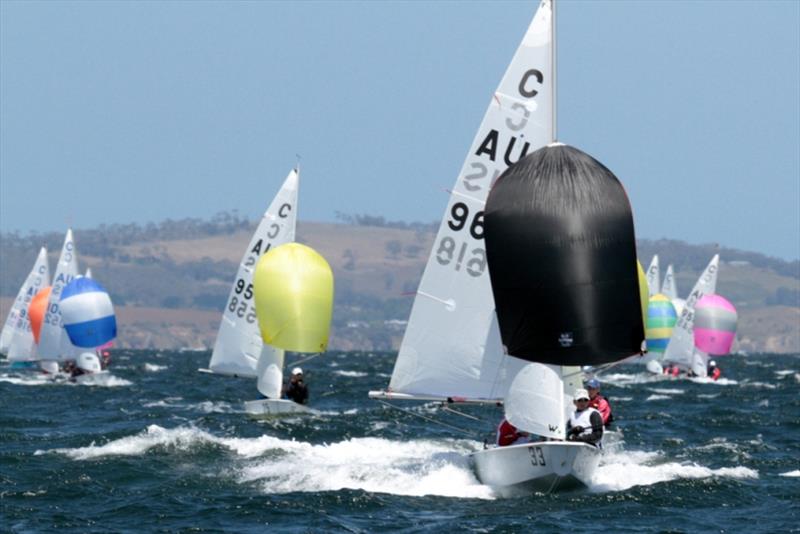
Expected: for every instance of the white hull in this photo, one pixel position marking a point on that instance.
(92, 378)
(539, 466)
(265, 408)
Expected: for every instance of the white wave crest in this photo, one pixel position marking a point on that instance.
(416, 468)
(669, 391)
(795, 473)
(154, 368)
(657, 397)
(626, 469)
(356, 374)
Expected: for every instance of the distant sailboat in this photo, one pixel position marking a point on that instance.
(16, 339)
(293, 287)
(653, 277)
(54, 344)
(681, 350)
(239, 346)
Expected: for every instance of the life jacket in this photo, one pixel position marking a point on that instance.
(584, 419)
(596, 404)
(507, 434)
(715, 374)
(675, 371)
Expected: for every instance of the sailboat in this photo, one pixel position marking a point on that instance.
(16, 338)
(457, 348)
(239, 350)
(293, 287)
(681, 350)
(54, 344)
(561, 249)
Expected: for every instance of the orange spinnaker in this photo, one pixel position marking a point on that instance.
(37, 309)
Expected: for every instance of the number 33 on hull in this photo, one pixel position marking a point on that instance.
(543, 466)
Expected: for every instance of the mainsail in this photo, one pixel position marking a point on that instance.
(238, 345)
(452, 346)
(653, 277)
(54, 344)
(681, 349)
(669, 289)
(16, 339)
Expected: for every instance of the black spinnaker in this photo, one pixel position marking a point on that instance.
(561, 251)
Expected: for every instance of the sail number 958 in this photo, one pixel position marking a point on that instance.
(241, 307)
(452, 251)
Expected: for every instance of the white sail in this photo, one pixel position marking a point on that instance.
(54, 343)
(88, 272)
(239, 345)
(16, 339)
(452, 343)
(653, 276)
(681, 344)
(669, 288)
(539, 400)
(270, 372)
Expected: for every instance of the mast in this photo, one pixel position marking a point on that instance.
(553, 75)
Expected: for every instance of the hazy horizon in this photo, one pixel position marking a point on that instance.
(122, 112)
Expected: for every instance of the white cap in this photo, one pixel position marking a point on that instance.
(297, 371)
(712, 362)
(581, 394)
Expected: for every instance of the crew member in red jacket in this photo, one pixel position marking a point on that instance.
(507, 434)
(713, 371)
(598, 402)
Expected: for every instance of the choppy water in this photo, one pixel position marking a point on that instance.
(160, 447)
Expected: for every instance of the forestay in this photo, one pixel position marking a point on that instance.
(452, 344)
(680, 350)
(239, 345)
(54, 344)
(16, 339)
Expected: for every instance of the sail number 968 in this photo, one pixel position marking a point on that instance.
(451, 251)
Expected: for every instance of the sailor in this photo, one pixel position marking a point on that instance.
(713, 372)
(507, 434)
(585, 424)
(297, 390)
(599, 402)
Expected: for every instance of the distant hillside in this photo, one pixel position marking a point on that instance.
(169, 281)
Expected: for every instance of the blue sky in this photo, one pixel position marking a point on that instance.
(123, 112)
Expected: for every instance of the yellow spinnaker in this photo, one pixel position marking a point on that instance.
(293, 288)
(644, 292)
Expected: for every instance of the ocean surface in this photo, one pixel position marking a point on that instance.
(159, 447)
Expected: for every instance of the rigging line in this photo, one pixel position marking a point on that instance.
(304, 360)
(468, 416)
(432, 420)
